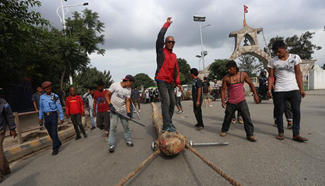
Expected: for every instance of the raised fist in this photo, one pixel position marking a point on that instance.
(169, 20)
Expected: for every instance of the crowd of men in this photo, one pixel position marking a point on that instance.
(118, 101)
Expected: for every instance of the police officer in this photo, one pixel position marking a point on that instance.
(49, 107)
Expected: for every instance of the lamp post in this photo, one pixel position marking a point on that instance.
(62, 20)
(201, 19)
(200, 57)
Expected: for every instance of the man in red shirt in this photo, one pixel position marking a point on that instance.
(167, 75)
(74, 107)
(101, 108)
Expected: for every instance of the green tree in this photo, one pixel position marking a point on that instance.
(250, 64)
(20, 28)
(84, 30)
(87, 29)
(142, 79)
(30, 47)
(218, 69)
(89, 76)
(298, 45)
(323, 66)
(184, 71)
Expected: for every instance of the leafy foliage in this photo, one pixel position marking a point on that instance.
(86, 29)
(142, 79)
(184, 71)
(218, 69)
(297, 45)
(31, 48)
(88, 78)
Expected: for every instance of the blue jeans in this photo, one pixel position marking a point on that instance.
(92, 120)
(51, 125)
(112, 131)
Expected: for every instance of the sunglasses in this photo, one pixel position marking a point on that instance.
(173, 42)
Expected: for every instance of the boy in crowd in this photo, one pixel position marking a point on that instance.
(234, 82)
(197, 98)
(101, 108)
(118, 97)
(74, 107)
(135, 95)
(89, 97)
(179, 94)
(206, 91)
(285, 69)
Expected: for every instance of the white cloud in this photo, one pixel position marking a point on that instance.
(132, 27)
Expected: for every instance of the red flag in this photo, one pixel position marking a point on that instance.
(245, 9)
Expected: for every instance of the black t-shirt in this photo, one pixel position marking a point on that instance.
(197, 83)
(206, 86)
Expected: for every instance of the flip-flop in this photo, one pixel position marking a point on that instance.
(280, 137)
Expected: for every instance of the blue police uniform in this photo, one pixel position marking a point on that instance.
(49, 107)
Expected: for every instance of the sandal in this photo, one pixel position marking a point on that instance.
(251, 138)
(280, 137)
(223, 134)
(299, 139)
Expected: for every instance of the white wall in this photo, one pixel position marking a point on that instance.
(316, 78)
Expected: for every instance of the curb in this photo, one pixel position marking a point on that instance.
(22, 150)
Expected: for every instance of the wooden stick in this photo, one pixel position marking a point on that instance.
(142, 165)
(210, 164)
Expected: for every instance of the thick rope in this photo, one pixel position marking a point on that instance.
(142, 164)
(218, 170)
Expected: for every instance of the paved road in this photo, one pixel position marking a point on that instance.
(267, 162)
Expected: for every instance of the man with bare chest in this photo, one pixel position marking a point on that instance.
(234, 83)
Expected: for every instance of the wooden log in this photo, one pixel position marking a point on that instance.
(157, 119)
(169, 143)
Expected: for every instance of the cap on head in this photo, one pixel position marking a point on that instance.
(129, 78)
(46, 84)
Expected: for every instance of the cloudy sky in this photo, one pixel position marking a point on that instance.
(132, 27)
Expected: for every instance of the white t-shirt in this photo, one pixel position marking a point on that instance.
(284, 71)
(147, 95)
(178, 92)
(90, 100)
(119, 96)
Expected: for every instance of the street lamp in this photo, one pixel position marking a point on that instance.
(201, 19)
(62, 20)
(200, 57)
